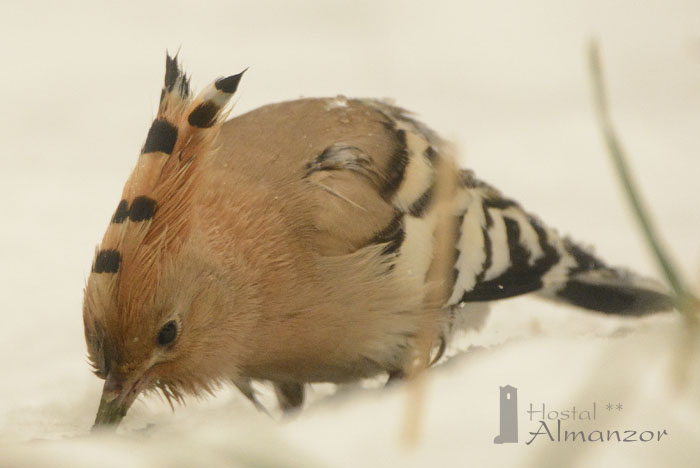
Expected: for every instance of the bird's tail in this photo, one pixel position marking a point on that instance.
(593, 285)
(503, 251)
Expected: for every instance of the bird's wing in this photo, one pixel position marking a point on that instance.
(369, 175)
(372, 179)
(359, 165)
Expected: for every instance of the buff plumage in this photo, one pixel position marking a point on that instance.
(317, 240)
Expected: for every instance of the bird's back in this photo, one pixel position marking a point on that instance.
(354, 183)
(341, 158)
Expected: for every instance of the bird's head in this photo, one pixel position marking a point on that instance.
(155, 306)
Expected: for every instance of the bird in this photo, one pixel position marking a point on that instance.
(313, 240)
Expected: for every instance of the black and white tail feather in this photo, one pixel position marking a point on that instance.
(505, 252)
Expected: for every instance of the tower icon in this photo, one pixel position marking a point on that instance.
(509, 416)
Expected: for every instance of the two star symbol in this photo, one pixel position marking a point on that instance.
(610, 406)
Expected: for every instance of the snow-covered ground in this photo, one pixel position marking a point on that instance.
(506, 80)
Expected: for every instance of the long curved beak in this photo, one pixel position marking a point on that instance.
(116, 401)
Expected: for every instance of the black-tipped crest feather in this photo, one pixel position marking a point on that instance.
(229, 84)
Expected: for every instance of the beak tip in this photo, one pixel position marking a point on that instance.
(110, 412)
(115, 402)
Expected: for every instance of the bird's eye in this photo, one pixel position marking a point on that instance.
(167, 334)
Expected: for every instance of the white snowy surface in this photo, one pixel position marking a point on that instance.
(505, 80)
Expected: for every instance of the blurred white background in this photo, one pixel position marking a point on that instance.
(505, 80)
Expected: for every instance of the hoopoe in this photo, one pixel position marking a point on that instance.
(316, 240)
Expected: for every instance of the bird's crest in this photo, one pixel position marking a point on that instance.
(152, 215)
